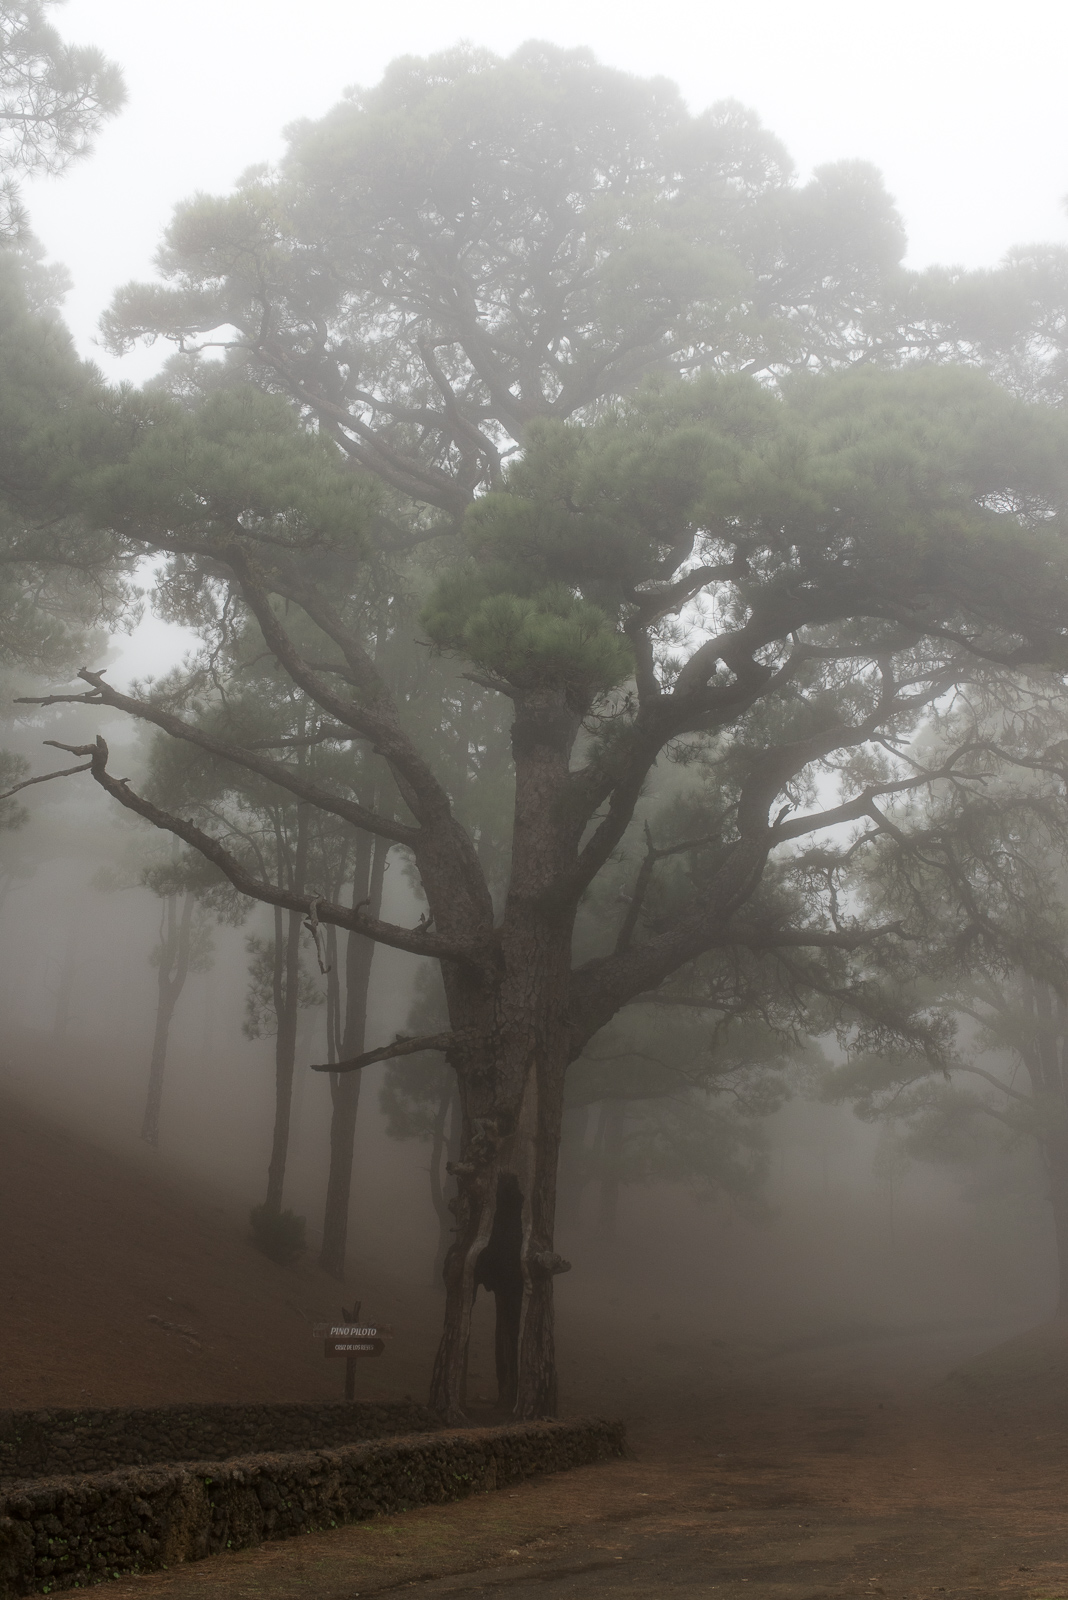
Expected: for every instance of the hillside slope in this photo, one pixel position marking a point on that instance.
(123, 1287)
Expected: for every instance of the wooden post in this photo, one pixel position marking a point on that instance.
(350, 1361)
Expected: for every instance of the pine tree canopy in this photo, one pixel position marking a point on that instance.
(476, 243)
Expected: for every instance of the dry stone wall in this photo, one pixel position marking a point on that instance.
(39, 1444)
(63, 1533)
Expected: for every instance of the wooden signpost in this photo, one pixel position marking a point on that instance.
(351, 1340)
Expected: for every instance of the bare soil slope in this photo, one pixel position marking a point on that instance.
(120, 1287)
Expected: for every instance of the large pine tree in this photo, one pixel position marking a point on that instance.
(535, 301)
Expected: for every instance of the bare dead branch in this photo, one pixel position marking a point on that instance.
(400, 1047)
(45, 777)
(410, 940)
(279, 772)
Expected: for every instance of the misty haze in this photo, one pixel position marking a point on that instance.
(533, 808)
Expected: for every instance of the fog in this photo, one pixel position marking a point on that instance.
(839, 1233)
(844, 1245)
(962, 113)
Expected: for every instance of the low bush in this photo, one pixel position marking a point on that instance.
(279, 1234)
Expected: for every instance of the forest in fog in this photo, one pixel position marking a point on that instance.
(604, 811)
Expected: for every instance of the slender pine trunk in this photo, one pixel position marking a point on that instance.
(175, 939)
(1044, 1056)
(610, 1150)
(368, 878)
(1055, 1149)
(572, 1177)
(444, 1153)
(333, 995)
(66, 984)
(287, 1005)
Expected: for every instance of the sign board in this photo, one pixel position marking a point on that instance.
(342, 1340)
(351, 1330)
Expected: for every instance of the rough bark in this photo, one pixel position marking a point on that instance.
(173, 971)
(511, 1085)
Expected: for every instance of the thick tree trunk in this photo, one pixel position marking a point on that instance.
(512, 1090)
(507, 1169)
(368, 878)
(175, 938)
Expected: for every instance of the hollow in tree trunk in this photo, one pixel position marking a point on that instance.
(499, 1268)
(508, 1160)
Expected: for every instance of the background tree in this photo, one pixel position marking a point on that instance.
(54, 97)
(58, 578)
(678, 1096)
(981, 878)
(62, 584)
(55, 576)
(287, 843)
(185, 946)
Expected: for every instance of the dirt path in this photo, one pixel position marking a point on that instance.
(795, 1483)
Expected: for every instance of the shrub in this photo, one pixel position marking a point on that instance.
(279, 1234)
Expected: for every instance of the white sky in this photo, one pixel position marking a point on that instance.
(961, 103)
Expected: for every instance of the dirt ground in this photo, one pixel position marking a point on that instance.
(910, 1461)
(791, 1482)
